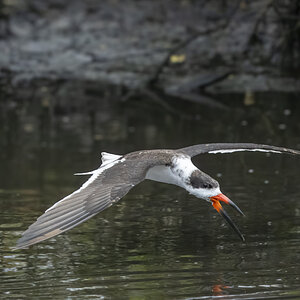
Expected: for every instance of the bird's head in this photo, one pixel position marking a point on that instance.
(203, 186)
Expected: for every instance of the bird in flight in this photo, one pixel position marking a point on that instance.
(118, 174)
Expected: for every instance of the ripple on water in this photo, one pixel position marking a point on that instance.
(160, 242)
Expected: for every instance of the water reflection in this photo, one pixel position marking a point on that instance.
(219, 289)
(159, 242)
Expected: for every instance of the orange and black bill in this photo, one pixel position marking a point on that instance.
(218, 207)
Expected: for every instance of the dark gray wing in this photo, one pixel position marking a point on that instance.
(233, 147)
(107, 185)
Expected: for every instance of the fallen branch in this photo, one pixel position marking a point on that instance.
(202, 81)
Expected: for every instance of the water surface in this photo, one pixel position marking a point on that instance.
(158, 242)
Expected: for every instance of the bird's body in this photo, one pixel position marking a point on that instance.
(119, 173)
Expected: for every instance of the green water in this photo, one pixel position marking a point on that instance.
(158, 242)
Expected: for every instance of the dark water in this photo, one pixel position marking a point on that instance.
(159, 242)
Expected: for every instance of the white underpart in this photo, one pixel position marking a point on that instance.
(179, 175)
(106, 164)
(162, 174)
(180, 172)
(240, 150)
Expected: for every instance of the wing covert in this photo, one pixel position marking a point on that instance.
(99, 192)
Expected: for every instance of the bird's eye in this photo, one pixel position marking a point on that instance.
(207, 185)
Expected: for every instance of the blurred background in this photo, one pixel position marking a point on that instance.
(81, 77)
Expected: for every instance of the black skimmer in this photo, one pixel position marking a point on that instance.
(118, 174)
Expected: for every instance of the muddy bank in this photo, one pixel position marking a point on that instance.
(165, 43)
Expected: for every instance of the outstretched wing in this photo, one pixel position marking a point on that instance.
(107, 185)
(233, 147)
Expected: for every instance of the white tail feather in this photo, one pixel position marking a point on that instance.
(106, 159)
(109, 158)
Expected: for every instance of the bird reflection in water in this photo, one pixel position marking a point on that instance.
(218, 289)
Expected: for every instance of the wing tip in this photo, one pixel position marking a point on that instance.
(26, 242)
(235, 147)
(17, 247)
(21, 244)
